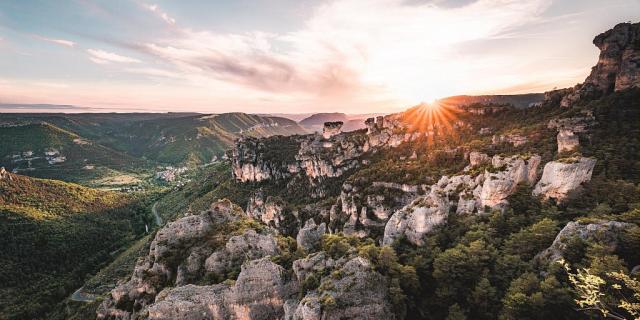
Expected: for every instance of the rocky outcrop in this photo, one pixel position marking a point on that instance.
(473, 194)
(310, 235)
(250, 161)
(567, 141)
(182, 253)
(427, 212)
(515, 139)
(605, 233)
(356, 292)
(503, 181)
(4, 174)
(250, 245)
(270, 210)
(331, 129)
(259, 293)
(561, 177)
(618, 66)
(478, 158)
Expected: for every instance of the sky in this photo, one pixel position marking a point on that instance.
(291, 56)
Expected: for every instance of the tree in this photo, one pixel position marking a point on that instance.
(616, 295)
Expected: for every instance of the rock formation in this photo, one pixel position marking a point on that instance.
(357, 292)
(490, 189)
(331, 129)
(567, 141)
(269, 210)
(310, 235)
(605, 233)
(4, 174)
(510, 172)
(618, 67)
(561, 177)
(477, 158)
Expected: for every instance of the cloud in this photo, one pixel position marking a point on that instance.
(62, 42)
(352, 49)
(163, 15)
(104, 57)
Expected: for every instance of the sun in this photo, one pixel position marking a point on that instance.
(431, 118)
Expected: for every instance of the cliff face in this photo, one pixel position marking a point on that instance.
(473, 194)
(618, 66)
(316, 156)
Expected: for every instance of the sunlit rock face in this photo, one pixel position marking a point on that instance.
(425, 213)
(270, 211)
(561, 177)
(510, 171)
(331, 129)
(329, 155)
(466, 193)
(618, 67)
(605, 233)
(567, 141)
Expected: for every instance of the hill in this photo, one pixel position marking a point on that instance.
(516, 100)
(121, 148)
(53, 235)
(44, 150)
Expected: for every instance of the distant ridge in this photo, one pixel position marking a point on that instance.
(517, 100)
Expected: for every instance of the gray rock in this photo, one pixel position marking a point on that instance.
(605, 233)
(561, 177)
(310, 235)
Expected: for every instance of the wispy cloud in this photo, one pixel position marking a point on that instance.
(62, 42)
(387, 48)
(161, 14)
(104, 57)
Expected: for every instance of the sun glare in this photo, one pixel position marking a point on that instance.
(431, 118)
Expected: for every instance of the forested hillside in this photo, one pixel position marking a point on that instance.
(54, 235)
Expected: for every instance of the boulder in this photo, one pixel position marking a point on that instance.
(478, 158)
(310, 235)
(175, 257)
(567, 141)
(190, 302)
(561, 177)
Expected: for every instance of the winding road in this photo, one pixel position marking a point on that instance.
(81, 296)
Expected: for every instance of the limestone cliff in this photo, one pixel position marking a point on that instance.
(618, 67)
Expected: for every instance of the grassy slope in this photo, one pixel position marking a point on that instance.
(54, 234)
